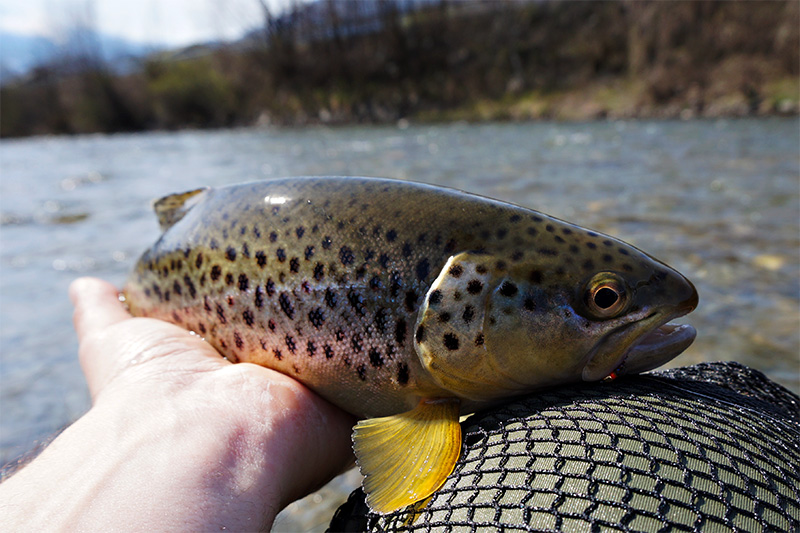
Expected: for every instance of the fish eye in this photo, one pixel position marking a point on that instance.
(605, 295)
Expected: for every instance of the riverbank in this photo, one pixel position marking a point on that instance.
(359, 62)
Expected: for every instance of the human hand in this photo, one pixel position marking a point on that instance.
(177, 437)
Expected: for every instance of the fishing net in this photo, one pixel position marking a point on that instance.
(711, 447)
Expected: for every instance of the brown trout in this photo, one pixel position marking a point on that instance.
(406, 302)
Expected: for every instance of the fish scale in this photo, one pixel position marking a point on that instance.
(384, 295)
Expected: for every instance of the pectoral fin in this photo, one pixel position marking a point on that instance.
(406, 457)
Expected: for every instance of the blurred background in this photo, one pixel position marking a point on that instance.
(672, 125)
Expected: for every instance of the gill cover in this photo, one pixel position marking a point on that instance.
(450, 329)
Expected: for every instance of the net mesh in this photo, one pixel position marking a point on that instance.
(712, 447)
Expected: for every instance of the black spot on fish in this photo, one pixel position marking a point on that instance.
(339, 335)
(450, 341)
(608, 258)
(381, 319)
(311, 349)
(300, 231)
(216, 272)
(395, 284)
(375, 358)
(474, 286)
(626, 267)
(400, 329)
(316, 317)
(261, 258)
(328, 351)
(319, 271)
(198, 262)
(588, 264)
(592, 234)
(515, 218)
(206, 304)
(529, 304)
(411, 301)
(330, 298)
(500, 265)
(277, 353)
(309, 253)
(290, 343)
(259, 297)
(456, 271)
(423, 269)
(229, 279)
(468, 314)
(237, 339)
(508, 289)
(326, 242)
(444, 317)
(294, 265)
(221, 314)
(369, 255)
(402, 373)
(375, 283)
(559, 239)
(501, 233)
(361, 370)
(256, 232)
(435, 297)
(203, 280)
(270, 287)
(623, 251)
(550, 252)
(356, 302)
(420, 335)
(591, 245)
(271, 324)
(479, 339)
(407, 250)
(383, 260)
(573, 248)
(201, 327)
(280, 253)
(286, 305)
(245, 248)
(189, 285)
(230, 253)
(247, 315)
(391, 235)
(532, 231)
(244, 283)
(346, 255)
(176, 287)
(356, 342)
(273, 236)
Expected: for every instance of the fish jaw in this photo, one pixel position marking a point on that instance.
(640, 346)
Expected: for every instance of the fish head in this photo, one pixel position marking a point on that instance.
(547, 321)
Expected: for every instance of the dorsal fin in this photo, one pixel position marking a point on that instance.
(173, 207)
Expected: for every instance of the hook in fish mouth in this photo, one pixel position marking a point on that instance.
(629, 350)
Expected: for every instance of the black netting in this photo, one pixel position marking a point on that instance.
(713, 447)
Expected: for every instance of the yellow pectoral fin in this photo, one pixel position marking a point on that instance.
(405, 458)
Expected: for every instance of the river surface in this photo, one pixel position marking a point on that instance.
(718, 200)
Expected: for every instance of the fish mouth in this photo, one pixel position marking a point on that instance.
(639, 346)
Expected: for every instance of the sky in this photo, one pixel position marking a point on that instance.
(159, 22)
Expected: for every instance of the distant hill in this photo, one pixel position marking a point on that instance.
(20, 53)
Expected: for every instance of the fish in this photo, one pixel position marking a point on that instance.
(406, 304)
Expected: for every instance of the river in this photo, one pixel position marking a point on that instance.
(718, 200)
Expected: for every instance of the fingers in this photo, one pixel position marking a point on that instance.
(97, 306)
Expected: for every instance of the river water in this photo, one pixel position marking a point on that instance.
(718, 200)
